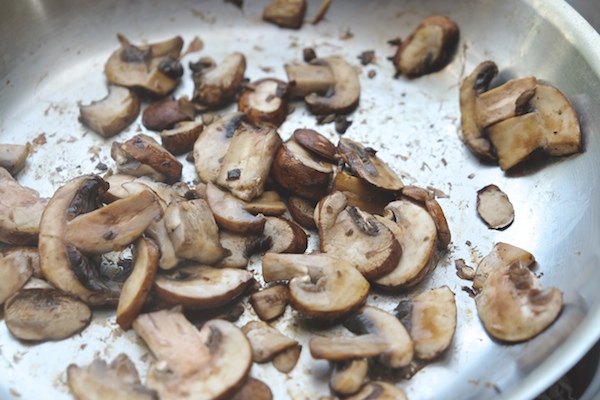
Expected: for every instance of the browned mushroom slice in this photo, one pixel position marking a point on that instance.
(504, 101)
(21, 209)
(502, 254)
(305, 79)
(165, 114)
(193, 231)
(15, 269)
(416, 232)
(265, 102)
(229, 212)
(147, 151)
(238, 248)
(364, 162)
(181, 139)
(211, 363)
(346, 90)
(494, 207)
(139, 283)
(286, 360)
(127, 165)
(215, 86)
(379, 390)
(513, 306)
(349, 376)
(13, 157)
(285, 13)
(360, 193)
(268, 203)
(426, 198)
(116, 190)
(285, 236)
(212, 144)
(266, 341)
(270, 303)
(45, 314)
(201, 286)
(248, 160)
(153, 67)
(112, 114)
(118, 380)
(303, 211)
(429, 48)
(253, 389)
(317, 143)
(357, 237)
(321, 285)
(301, 172)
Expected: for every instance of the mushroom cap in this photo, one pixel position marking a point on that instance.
(265, 102)
(502, 254)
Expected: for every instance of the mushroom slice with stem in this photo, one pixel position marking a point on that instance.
(285, 13)
(321, 285)
(206, 364)
(166, 113)
(346, 89)
(286, 360)
(266, 341)
(13, 157)
(429, 48)
(494, 207)
(379, 390)
(270, 303)
(285, 236)
(45, 314)
(181, 139)
(229, 212)
(349, 376)
(201, 286)
(265, 102)
(154, 68)
(247, 163)
(112, 114)
(216, 86)
(15, 270)
(513, 306)
(305, 79)
(147, 151)
(118, 380)
(139, 283)
(357, 237)
(502, 254)
(253, 389)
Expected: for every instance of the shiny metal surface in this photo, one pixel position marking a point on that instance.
(51, 59)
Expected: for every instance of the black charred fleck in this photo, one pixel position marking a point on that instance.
(109, 235)
(234, 174)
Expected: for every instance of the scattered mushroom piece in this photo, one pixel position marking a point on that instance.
(266, 341)
(253, 389)
(15, 271)
(147, 151)
(305, 79)
(118, 380)
(181, 139)
(346, 89)
(317, 143)
(360, 193)
(268, 203)
(285, 236)
(265, 102)
(270, 303)
(285, 13)
(216, 85)
(286, 360)
(349, 376)
(229, 212)
(379, 390)
(127, 165)
(463, 271)
(166, 113)
(494, 207)
(502, 254)
(303, 211)
(429, 48)
(45, 314)
(13, 157)
(238, 248)
(112, 114)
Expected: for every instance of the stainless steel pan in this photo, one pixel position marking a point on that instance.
(51, 59)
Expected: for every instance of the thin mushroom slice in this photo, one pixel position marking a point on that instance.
(266, 341)
(147, 151)
(505, 101)
(513, 306)
(303, 211)
(348, 377)
(346, 89)
(270, 303)
(494, 207)
(128, 165)
(265, 102)
(166, 113)
(238, 247)
(112, 114)
(305, 79)
(285, 13)
(379, 390)
(216, 86)
(229, 212)
(45, 314)
(181, 139)
(13, 157)
(118, 380)
(360, 193)
(285, 236)
(317, 143)
(253, 389)
(501, 254)
(286, 360)
(268, 203)
(15, 270)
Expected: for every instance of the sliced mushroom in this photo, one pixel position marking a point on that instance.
(118, 380)
(165, 114)
(346, 90)
(147, 151)
(360, 193)
(13, 157)
(513, 306)
(201, 286)
(286, 360)
(426, 198)
(270, 303)
(379, 390)
(139, 283)
(45, 314)
(215, 86)
(305, 79)
(303, 211)
(268, 203)
(229, 212)
(502, 254)
(248, 160)
(15, 270)
(153, 67)
(266, 341)
(357, 237)
(21, 209)
(285, 13)
(253, 389)
(265, 102)
(127, 165)
(349, 376)
(494, 207)
(207, 364)
(429, 48)
(321, 285)
(112, 114)
(212, 144)
(238, 248)
(285, 236)
(181, 139)
(317, 143)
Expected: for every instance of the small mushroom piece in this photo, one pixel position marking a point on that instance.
(502, 254)
(265, 102)
(305, 79)
(360, 193)
(248, 160)
(15, 270)
(253, 389)
(513, 306)
(285, 13)
(118, 380)
(112, 114)
(153, 67)
(379, 390)
(238, 248)
(216, 86)
(13, 157)
(270, 303)
(429, 48)
(494, 207)
(317, 143)
(229, 212)
(349, 376)
(321, 285)
(365, 163)
(286, 360)
(181, 139)
(147, 151)
(356, 237)
(266, 341)
(139, 283)
(285, 236)
(268, 203)
(201, 286)
(346, 90)
(303, 211)
(45, 314)
(166, 113)
(127, 165)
